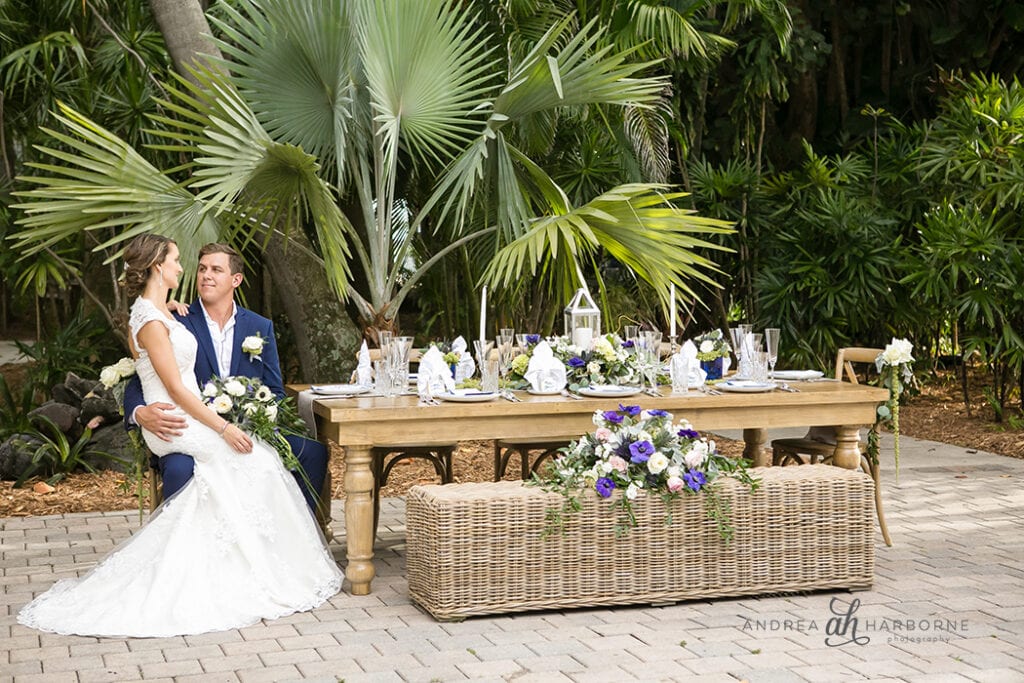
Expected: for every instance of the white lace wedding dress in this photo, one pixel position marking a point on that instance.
(236, 545)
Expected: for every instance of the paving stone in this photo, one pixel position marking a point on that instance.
(230, 663)
(267, 674)
(63, 677)
(495, 668)
(223, 677)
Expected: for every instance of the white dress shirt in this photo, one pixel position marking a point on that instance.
(223, 338)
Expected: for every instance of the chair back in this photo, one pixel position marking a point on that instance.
(846, 357)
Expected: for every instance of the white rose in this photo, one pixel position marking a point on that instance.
(605, 466)
(593, 367)
(264, 394)
(707, 346)
(209, 390)
(234, 388)
(222, 404)
(253, 344)
(673, 471)
(109, 376)
(125, 367)
(657, 463)
(695, 457)
(271, 412)
(632, 490)
(898, 351)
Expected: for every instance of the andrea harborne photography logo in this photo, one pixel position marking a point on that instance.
(842, 627)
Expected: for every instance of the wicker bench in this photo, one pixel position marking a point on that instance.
(477, 548)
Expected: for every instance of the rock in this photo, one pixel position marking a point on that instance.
(62, 393)
(63, 415)
(99, 406)
(81, 386)
(16, 455)
(43, 487)
(113, 440)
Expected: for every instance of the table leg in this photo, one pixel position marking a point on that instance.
(755, 439)
(847, 454)
(359, 518)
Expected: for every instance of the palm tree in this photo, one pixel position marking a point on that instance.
(339, 115)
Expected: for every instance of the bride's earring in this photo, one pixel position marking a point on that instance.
(160, 272)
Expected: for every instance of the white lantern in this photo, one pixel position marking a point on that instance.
(582, 319)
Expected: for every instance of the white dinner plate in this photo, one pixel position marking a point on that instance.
(537, 392)
(744, 386)
(468, 396)
(339, 389)
(608, 391)
(798, 375)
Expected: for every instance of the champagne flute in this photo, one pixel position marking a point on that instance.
(771, 340)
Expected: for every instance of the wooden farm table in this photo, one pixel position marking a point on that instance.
(360, 423)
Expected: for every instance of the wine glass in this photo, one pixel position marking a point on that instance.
(505, 346)
(650, 358)
(771, 340)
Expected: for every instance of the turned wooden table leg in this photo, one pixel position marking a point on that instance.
(359, 518)
(847, 454)
(754, 439)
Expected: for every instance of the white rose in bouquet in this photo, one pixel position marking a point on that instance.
(222, 404)
(234, 388)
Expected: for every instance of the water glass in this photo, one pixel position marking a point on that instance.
(505, 346)
(771, 340)
(401, 347)
(630, 332)
(383, 381)
(759, 366)
(680, 370)
(521, 342)
(489, 375)
(483, 351)
(650, 360)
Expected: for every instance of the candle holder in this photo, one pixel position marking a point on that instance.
(582, 319)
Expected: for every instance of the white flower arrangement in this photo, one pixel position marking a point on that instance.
(115, 377)
(895, 368)
(253, 345)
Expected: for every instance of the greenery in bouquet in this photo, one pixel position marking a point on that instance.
(251, 405)
(634, 451)
(712, 345)
(896, 372)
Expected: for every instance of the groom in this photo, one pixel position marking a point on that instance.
(220, 326)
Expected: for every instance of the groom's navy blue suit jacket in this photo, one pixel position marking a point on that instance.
(312, 454)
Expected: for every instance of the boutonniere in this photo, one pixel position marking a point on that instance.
(253, 345)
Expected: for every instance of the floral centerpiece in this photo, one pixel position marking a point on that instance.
(606, 360)
(251, 405)
(895, 368)
(634, 450)
(712, 347)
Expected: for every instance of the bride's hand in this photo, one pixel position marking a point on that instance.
(177, 308)
(237, 439)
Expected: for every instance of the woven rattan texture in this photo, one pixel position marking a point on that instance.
(478, 548)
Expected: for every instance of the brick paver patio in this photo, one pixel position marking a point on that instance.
(947, 605)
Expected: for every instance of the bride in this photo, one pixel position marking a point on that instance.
(236, 545)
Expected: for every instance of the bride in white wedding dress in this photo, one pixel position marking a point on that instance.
(236, 545)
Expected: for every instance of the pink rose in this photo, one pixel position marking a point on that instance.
(675, 484)
(603, 433)
(617, 463)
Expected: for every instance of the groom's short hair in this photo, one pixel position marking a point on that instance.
(235, 261)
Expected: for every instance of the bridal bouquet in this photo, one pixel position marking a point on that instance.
(251, 405)
(635, 450)
(115, 377)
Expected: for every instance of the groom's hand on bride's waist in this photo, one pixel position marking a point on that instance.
(158, 419)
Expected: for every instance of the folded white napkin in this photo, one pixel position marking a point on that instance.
(687, 353)
(465, 367)
(364, 370)
(545, 373)
(434, 376)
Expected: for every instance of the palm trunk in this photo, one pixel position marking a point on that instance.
(186, 32)
(325, 336)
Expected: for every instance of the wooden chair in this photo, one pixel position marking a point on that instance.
(504, 449)
(809, 450)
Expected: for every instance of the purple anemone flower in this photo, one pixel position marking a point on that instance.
(640, 451)
(604, 487)
(577, 362)
(688, 434)
(533, 339)
(657, 412)
(695, 479)
(632, 411)
(612, 416)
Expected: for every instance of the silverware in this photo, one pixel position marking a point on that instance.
(709, 391)
(575, 397)
(785, 387)
(509, 396)
(653, 392)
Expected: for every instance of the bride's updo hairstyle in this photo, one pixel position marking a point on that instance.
(143, 252)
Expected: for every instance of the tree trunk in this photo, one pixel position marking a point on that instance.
(325, 335)
(185, 31)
